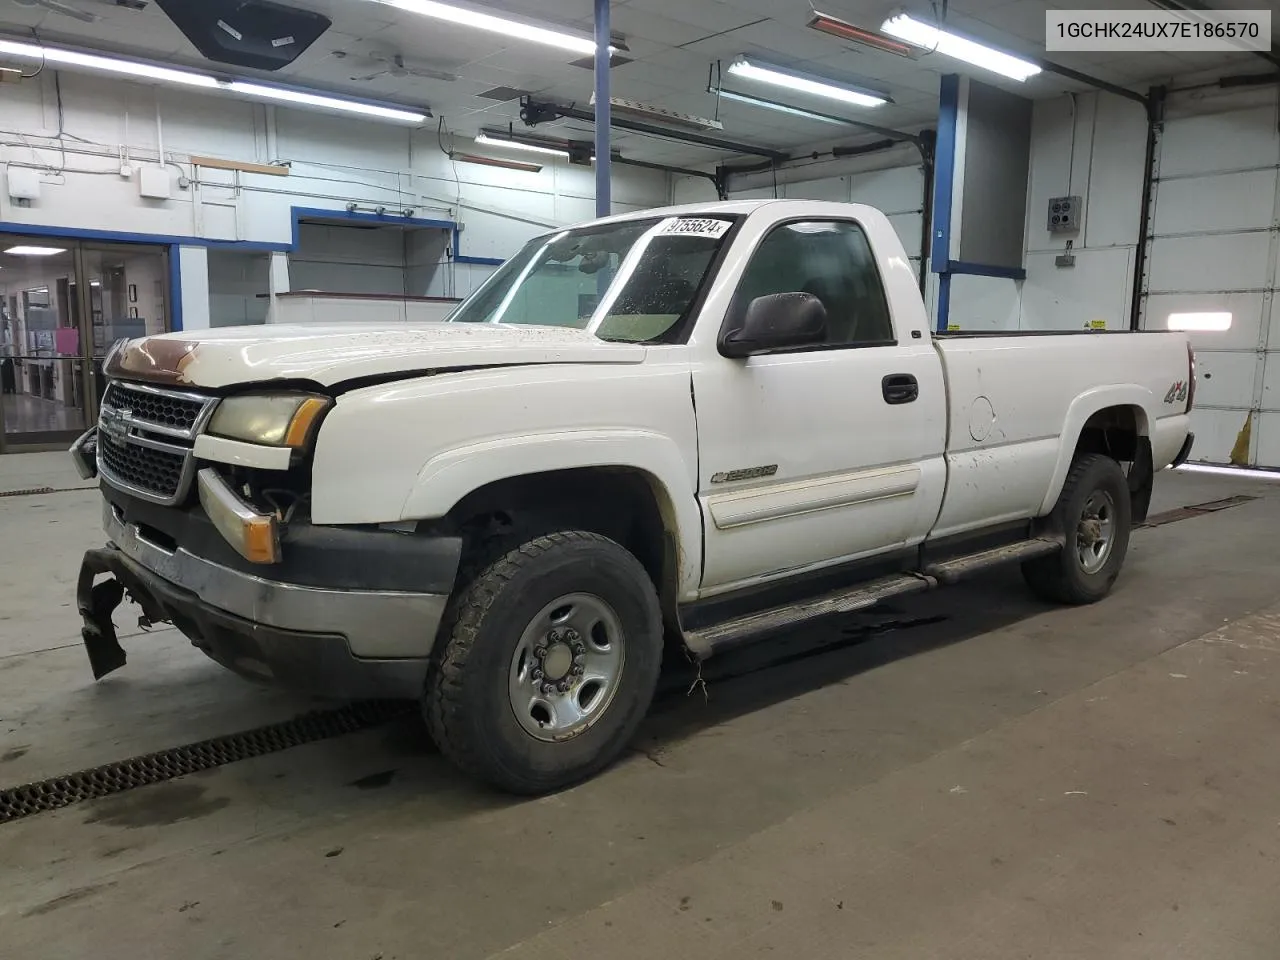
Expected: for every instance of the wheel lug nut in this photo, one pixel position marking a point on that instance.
(578, 670)
(537, 674)
(540, 652)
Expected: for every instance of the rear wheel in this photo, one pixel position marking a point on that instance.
(549, 665)
(1093, 515)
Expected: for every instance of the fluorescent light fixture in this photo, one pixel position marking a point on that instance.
(263, 92)
(515, 29)
(91, 61)
(775, 105)
(21, 251)
(487, 140)
(793, 80)
(258, 91)
(959, 48)
(1200, 321)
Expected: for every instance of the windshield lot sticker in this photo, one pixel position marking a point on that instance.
(695, 227)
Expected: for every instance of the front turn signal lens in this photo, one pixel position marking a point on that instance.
(299, 432)
(255, 536)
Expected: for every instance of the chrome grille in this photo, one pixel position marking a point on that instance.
(168, 410)
(142, 468)
(146, 437)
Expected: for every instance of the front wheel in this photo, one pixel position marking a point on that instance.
(1093, 515)
(549, 664)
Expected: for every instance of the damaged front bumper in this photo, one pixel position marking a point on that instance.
(84, 454)
(326, 640)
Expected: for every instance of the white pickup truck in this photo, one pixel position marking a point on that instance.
(693, 426)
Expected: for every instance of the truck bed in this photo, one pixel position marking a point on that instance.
(970, 334)
(1013, 397)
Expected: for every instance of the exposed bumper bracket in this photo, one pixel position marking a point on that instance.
(97, 602)
(84, 454)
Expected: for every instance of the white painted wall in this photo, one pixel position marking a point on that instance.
(335, 161)
(891, 180)
(1214, 245)
(1093, 146)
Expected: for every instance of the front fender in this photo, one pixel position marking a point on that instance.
(452, 474)
(1078, 413)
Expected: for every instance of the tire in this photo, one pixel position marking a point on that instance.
(1084, 572)
(506, 639)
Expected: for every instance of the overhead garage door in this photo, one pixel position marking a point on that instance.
(1215, 247)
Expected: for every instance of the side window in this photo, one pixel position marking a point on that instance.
(831, 260)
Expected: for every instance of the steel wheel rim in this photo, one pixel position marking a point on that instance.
(567, 667)
(1096, 531)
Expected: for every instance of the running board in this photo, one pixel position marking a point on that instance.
(950, 571)
(755, 626)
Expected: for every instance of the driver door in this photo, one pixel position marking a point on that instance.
(825, 453)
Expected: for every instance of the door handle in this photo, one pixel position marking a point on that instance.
(899, 388)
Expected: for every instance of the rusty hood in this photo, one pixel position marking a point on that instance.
(333, 354)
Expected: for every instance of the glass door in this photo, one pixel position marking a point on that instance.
(63, 303)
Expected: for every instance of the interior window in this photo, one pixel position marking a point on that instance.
(831, 260)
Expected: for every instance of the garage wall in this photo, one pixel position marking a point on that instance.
(334, 161)
(891, 180)
(1092, 146)
(1214, 244)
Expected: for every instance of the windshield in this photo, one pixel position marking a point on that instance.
(634, 281)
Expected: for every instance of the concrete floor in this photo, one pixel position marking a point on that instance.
(992, 778)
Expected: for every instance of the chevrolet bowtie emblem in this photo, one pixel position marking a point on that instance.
(115, 422)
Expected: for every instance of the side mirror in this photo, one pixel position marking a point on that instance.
(776, 322)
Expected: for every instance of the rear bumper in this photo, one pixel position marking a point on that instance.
(331, 641)
(1185, 452)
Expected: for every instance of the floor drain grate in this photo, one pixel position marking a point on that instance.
(1194, 510)
(32, 798)
(26, 493)
(33, 491)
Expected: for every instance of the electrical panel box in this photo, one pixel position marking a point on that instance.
(24, 184)
(154, 183)
(1064, 214)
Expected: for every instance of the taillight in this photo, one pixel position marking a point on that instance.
(1191, 375)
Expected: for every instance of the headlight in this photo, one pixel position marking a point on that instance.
(276, 420)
